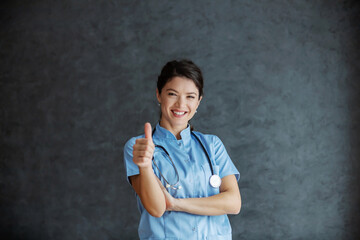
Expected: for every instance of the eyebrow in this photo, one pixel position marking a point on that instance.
(170, 89)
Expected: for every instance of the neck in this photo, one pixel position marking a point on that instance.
(176, 130)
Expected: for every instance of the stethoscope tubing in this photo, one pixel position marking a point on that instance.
(172, 162)
(207, 155)
(177, 174)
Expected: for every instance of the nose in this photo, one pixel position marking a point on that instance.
(180, 102)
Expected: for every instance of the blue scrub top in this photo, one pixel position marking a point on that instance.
(194, 171)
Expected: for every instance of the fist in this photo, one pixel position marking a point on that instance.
(143, 149)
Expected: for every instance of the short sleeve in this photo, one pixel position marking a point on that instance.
(223, 160)
(130, 167)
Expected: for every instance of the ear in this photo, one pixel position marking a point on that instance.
(199, 102)
(158, 95)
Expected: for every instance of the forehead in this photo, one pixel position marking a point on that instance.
(181, 84)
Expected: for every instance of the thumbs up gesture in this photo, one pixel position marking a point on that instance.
(143, 149)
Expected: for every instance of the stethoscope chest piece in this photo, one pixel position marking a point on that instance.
(215, 181)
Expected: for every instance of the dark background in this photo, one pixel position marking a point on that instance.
(282, 90)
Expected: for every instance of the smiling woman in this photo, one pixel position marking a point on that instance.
(199, 177)
(179, 100)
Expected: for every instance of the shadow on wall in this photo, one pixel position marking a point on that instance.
(352, 59)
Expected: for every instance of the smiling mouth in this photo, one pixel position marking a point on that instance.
(178, 113)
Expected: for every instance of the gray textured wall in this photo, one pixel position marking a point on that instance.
(282, 91)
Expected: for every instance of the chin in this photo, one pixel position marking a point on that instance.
(179, 122)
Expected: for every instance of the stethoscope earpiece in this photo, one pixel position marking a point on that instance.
(172, 186)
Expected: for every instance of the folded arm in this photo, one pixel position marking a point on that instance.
(228, 201)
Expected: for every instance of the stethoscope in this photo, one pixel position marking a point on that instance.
(215, 180)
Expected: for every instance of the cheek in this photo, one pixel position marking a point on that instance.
(166, 104)
(193, 106)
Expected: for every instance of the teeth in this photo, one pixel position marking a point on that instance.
(179, 113)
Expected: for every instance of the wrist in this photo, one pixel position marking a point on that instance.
(176, 204)
(145, 169)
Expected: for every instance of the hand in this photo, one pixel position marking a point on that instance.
(170, 200)
(143, 149)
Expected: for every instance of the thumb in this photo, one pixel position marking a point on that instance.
(148, 131)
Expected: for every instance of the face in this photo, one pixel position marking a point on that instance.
(179, 100)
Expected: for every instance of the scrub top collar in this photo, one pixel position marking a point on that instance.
(164, 133)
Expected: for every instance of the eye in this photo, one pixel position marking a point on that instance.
(171, 94)
(192, 97)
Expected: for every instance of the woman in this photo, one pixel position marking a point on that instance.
(185, 182)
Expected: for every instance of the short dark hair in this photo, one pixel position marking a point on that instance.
(183, 68)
